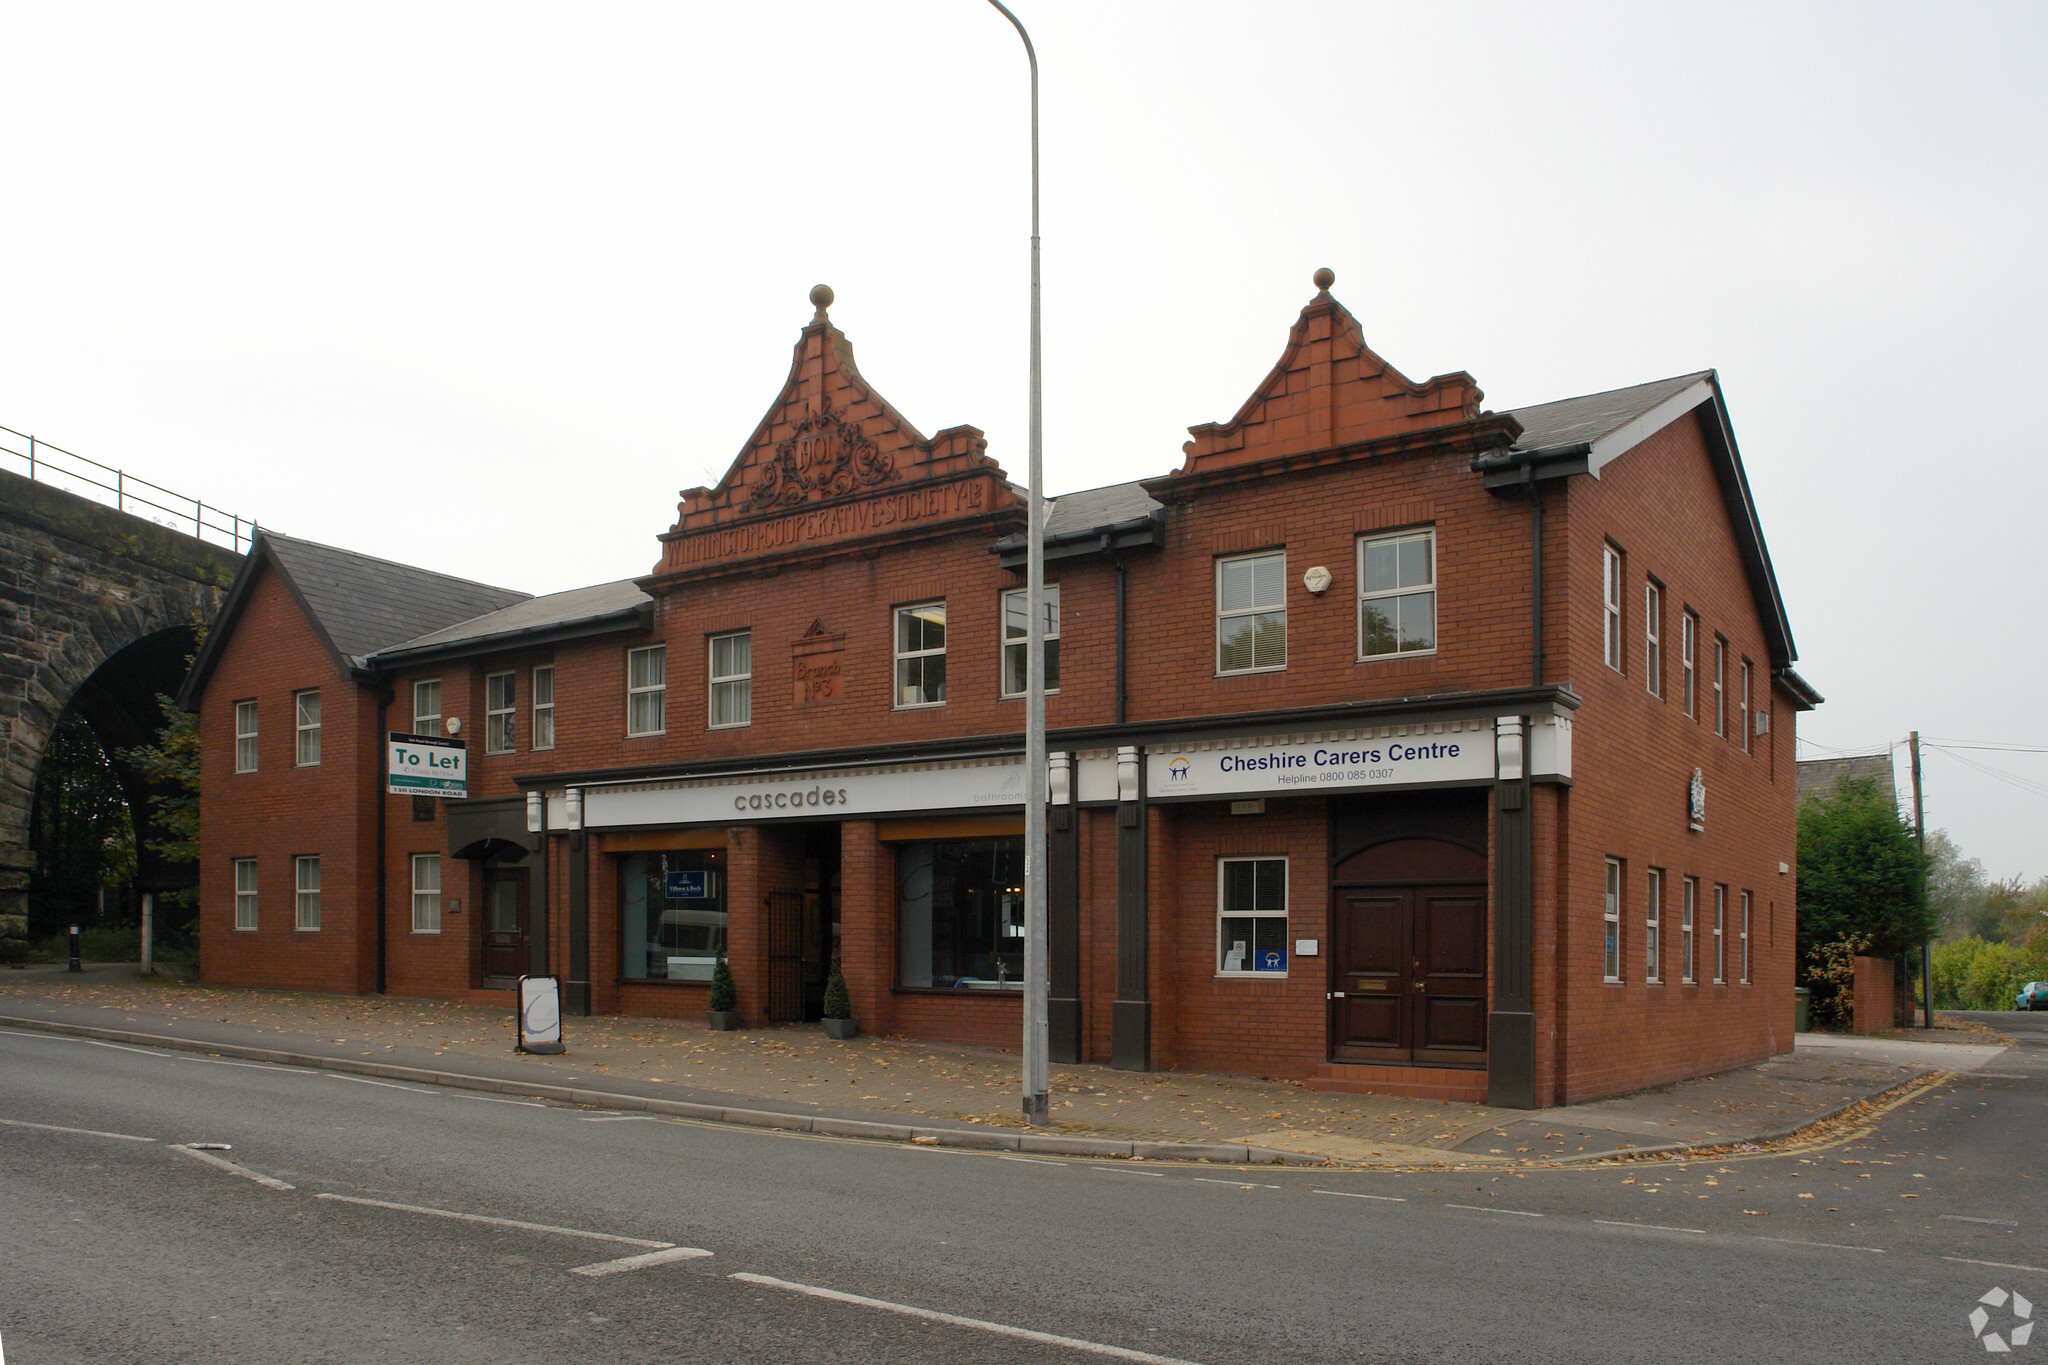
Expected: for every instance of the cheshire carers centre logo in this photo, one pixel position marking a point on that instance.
(2016, 1323)
(1179, 769)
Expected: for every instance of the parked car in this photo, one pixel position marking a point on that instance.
(2033, 996)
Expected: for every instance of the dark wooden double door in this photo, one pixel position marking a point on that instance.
(1408, 960)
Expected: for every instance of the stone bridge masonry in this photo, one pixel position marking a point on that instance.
(97, 613)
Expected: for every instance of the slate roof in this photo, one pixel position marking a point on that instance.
(533, 616)
(1818, 776)
(1593, 415)
(364, 604)
(1098, 507)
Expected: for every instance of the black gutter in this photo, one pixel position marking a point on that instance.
(1801, 691)
(1527, 471)
(1121, 535)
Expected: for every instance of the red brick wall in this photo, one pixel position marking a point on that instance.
(1877, 1003)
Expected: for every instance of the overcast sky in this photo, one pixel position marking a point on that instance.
(480, 287)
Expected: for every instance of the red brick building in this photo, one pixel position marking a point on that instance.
(1396, 744)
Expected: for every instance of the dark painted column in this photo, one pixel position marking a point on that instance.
(576, 990)
(1511, 1027)
(1063, 914)
(1130, 1045)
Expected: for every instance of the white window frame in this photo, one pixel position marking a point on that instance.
(306, 893)
(1256, 912)
(1690, 895)
(1746, 905)
(305, 733)
(501, 712)
(245, 895)
(1224, 615)
(1720, 686)
(542, 735)
(426, 706)
(246, 752)
(1653, 637)
(1016, 644)
(1610, 605)
(920, 656)
(732, 685)
(654, 694)
(1610, 915)
(426, 900)
(1720, 934)
(1395, 538)
(1653, 927)
(1688, 648)
(1742, 704)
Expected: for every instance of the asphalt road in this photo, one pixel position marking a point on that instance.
(123, 1249)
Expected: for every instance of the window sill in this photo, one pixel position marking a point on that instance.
(297, 930)
(661, 981)
(1248, 976)
(1612, 981)
(735, 725)
(964, 993)
(245, 928)
(645, 734)
(423, 933)
(1395, 658)
(1019, 696)
(920, 706)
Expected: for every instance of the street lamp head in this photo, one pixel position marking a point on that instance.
(821, 295)
(1325, 277)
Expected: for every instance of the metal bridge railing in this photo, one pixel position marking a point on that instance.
(74, 473)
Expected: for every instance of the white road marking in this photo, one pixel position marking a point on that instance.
(232, 1168)
(83, 1132)
(1035, 1160)
(640, 1262)
(493, 1099)
(952, 1319)
(1240, 1184)
(138, 1051)
(254, 1066)
(616, 1118)
(1995, 1222)
(1996, 1265)
(388, 1085)
(1832, 1246)
(1654, 1227)
(1482, 1208)
(2002, 1075)
(1346, 1194)
(496, 1222)
(1121, 1170)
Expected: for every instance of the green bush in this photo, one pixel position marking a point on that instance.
(1831, 977)
(724, 994)
(838, 1004)
(1971, 974)
(96, 943)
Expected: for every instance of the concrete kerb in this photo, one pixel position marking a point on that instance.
(983, 1139)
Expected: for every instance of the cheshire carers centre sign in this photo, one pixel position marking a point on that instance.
(1295, 764)
(426, 765)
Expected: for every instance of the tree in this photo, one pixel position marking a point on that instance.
(1956, 888)
(171, 766)
(1860, 872)
(79, 829)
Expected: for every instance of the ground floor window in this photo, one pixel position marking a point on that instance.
(960, 914)
(307, 907)
(426, 893)
(1611, 914)
(245, 893)
(1251, 915)
(671, 914)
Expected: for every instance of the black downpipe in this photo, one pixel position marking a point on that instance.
(383, 781)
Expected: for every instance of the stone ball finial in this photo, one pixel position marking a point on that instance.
(1325, 278)
(821, 295)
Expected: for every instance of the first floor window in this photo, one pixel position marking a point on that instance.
(921, 654)
(1611, 916)
(426, 707)
(732, 679)
(1396, 594)
(1720, 686)
(1688, 644)
(544, 707)
(1745, 938)
(426, 893)
(1690, 889)
(1653, 926)
(960, 914)
(1016, 631)
(1742, 705)
(1251, 613)
(245, 736)
(245, 893)
(1720, 933)
(307, 901)
(1653, 637)
(499, 726)
(671, 914)
(646, 690)
(1610, 613)
(1251, 915)
(306, 706)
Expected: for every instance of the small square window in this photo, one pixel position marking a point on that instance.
(1251, 916)
(921, 654)
(732, 679)
(1397, 594)
(1016, 629)
(245, 736)
(500, 720)
(307, 904)
(646, 689)
(1251, 613)
(306, 709)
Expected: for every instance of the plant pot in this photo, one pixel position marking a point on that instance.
(842, 1029)
(724, 1021)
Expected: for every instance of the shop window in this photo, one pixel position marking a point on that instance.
(245, 893)
(732, 679)
(1653, 927)
(245, 736)
(921, 654)
(1016, 629)
(426, 893)
(1251, 916)
(1610, 915)
(306, 713)
(1653, 637)
(1610, 613)
(1689, 890)
(671, 914)
(306, 903)
(1251, 613)
(1397, 594)
(426, 707)
(646, 690)
(544, 707)
(1688, 644)
(960, 914)
(499, 726)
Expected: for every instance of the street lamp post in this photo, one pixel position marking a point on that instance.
(1036, 1080)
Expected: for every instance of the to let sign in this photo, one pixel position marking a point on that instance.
(427, 765)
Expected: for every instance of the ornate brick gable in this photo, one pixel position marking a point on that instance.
(1328, 397)
(833, 469)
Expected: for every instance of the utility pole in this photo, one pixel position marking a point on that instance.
(1920, 836)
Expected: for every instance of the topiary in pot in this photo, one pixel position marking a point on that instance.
(724, 1013)
(839, 1020)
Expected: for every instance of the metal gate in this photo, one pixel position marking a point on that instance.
(782, 929)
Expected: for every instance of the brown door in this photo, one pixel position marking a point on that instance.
(505, 917)
(1408, 975)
